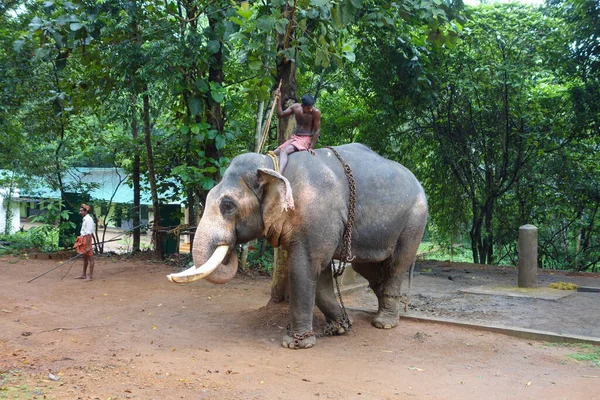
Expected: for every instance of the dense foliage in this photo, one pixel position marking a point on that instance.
(494, 107)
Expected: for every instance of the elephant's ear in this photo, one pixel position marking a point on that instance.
(275, 191)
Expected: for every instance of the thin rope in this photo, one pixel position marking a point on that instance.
(275, 160)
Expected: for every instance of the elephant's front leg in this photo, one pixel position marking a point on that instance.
(337, 321)
(302, 278)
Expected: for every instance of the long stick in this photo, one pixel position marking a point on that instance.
(78, 255)
(59, 265)
(268, 124)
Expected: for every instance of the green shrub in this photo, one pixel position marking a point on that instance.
(41, 238)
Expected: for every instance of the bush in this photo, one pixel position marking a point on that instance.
(42, 238)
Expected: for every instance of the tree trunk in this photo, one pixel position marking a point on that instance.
(213, 111)
(286, 74)
(259, 127)
(488, 240)
(135, 177)
(156, 233)
(135, 134)
(475, 233)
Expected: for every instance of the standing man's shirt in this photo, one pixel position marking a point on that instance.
(87, 226)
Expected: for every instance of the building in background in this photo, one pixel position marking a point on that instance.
(10, 218)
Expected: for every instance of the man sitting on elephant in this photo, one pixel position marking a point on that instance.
(308, 128)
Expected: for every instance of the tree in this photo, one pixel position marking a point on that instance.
(490, 119)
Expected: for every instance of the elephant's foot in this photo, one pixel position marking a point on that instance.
(383, 322)
(335, 328)
(388, 316)
(299, 341)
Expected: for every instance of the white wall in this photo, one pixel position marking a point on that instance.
(16, 212)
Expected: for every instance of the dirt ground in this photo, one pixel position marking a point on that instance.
(130, 334)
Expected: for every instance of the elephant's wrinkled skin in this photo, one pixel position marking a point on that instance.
(305, 213)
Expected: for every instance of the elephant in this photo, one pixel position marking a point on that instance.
(305, 211)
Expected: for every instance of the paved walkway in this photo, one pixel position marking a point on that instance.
(488, 297)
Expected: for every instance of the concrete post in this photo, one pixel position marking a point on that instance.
(528, 245)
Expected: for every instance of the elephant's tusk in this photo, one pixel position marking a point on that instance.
(193, 274)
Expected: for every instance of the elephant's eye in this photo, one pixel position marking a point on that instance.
(227, 206)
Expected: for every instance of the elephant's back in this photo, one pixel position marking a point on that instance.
(378, 180)
(386, 194)
(373, 171)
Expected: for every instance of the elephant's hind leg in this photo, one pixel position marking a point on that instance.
(385, 283)
(388, 284)
(388, 291)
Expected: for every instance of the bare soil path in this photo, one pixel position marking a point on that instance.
(130, 334)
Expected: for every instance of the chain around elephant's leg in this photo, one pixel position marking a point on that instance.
(297, 341)
(335, 328)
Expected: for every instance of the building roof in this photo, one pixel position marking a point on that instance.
(105, 184)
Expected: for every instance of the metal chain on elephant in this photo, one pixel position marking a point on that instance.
(299, 336)
(347, 245)
(346, 255)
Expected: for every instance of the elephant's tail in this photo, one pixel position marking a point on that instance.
(411, 272)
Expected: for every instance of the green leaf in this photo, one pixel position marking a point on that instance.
(217, 96)
(18, 45)
(195, 105)
(255, 65)
(76, 26)
(237, 21)
(245, 11)
(61, 61)
(217, 92)
(220, 142)
(265, 23)
(208, 183)
(184, 129)
(201, 86)
(36, 23)
(350, 56)
(214, 46)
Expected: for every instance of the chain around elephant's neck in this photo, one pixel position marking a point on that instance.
(346, 255)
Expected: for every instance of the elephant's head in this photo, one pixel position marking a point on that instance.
(247, 204)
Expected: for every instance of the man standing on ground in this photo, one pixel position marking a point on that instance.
(308, 128)
(83, 244)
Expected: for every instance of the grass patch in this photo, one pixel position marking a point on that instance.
(14, 385)
(584, 352)
(434, 251)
